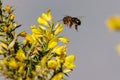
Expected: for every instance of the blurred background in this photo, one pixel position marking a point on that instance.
(94, 45)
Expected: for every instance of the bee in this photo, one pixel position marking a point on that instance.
(70, 21)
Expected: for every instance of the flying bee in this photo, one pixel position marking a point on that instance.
(68, 20)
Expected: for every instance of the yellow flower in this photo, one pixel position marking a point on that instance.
(60, 50)
(8, 8)
(25, 42)
(43, 61)
(12, 17)
(6, 29)
(52, 43)
(52, 64)
(34, 37)
(69, 61)
(60, 59)
(47, 16)
(31, 39)
(21, 69)
(35, 30)
(10, 26)
(64, 40)
(16, 24)
(38, 68)
(42, 21)
(58, 29)
(58, 76)
(113, 23)
(23, 34)
(49, 34)
(13, 63)
(20, 55)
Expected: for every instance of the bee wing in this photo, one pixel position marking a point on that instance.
(62, 18)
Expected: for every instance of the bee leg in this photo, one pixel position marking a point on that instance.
(71, 25)
(67, 25)
(76, 27)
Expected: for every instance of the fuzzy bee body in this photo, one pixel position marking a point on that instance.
(70, 21)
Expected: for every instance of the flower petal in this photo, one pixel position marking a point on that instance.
(58, 76)
(20, 55)
(58, 30)
(113, 23)
(60, 50)
(69, 61)
(52, 43)
(64, 40)
(42, 21)
(22, 34)
(47, 16)
(35, 30)
(52, 64)
(13, 63)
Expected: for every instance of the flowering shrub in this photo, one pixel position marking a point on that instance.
(42, 55)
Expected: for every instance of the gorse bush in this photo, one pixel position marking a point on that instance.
(39, 56)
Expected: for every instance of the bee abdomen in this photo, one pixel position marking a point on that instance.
(76, 20)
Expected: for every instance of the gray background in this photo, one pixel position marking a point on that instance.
(94, 45)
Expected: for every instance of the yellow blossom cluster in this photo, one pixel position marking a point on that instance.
(39, 56)
(113, 23)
